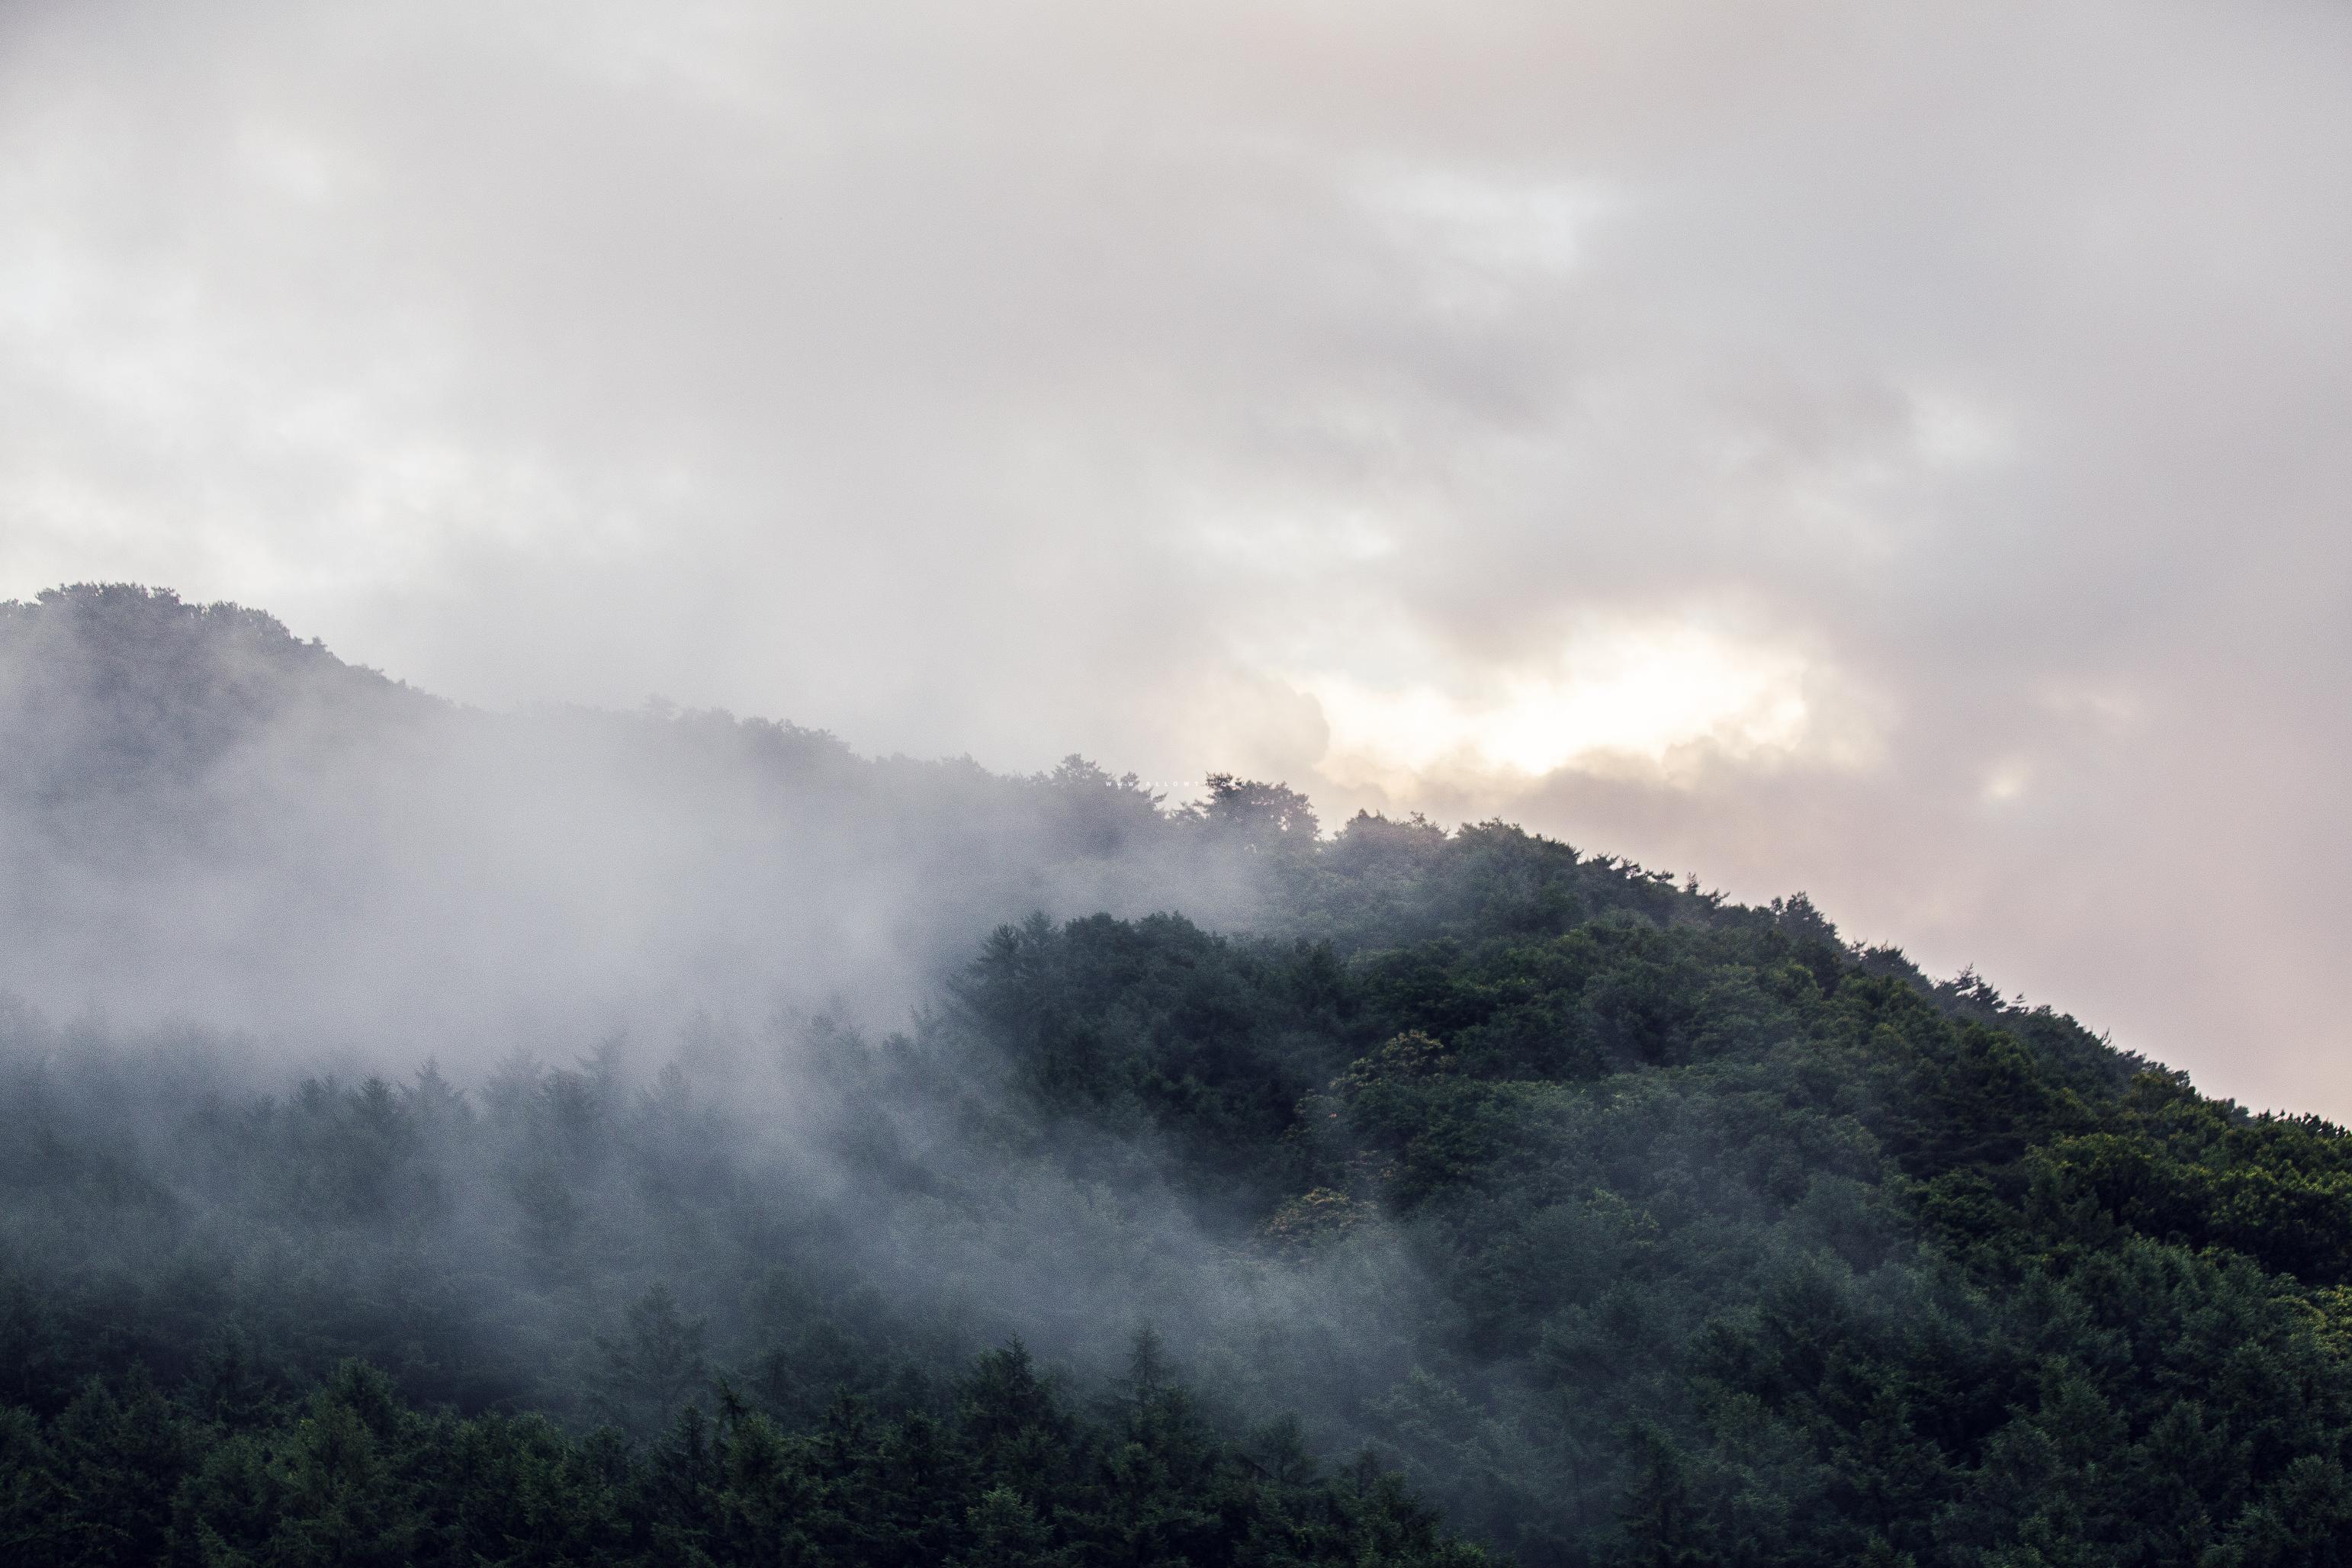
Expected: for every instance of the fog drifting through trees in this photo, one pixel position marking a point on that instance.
(729, 1145)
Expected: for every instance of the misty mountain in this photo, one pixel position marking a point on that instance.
(205, 815)
(430, 1135)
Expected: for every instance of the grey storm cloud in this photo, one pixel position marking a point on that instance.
(1898, 452)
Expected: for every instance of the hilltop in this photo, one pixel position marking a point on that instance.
(1234, 1191)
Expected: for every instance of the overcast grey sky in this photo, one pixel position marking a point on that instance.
(1898, 452)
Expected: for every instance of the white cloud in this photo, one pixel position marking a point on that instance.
(1616, 694)
(1394, 396)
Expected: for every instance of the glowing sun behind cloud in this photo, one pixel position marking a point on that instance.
(1640, 696)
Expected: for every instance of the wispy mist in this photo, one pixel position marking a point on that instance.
(1891, 453)
(204, 818)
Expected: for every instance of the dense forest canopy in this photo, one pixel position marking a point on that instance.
(740, 1150)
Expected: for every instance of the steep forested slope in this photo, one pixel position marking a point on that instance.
(1618, 1223)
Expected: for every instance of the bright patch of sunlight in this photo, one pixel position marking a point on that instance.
(1626, 694)
(2007, 781)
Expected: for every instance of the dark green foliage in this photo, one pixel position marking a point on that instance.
(1622, 1225)
(1740, 1252)
(1760, 1250)
(1011, 1477)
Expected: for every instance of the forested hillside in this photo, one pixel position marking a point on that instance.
(1430, 1196)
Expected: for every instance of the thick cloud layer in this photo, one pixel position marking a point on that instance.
(1896, 452)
